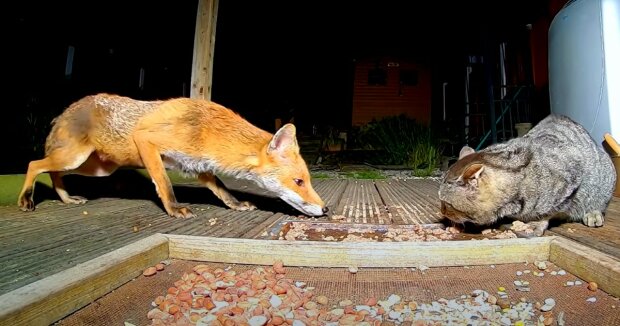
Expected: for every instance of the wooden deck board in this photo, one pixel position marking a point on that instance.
(362, 203)
(605, 239)
(331, 191)
(56, 237)
(409, 203)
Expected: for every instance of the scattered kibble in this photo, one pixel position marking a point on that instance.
(549, 304)
(265, 296)
(321, 299)
(278, 267)
(561, 321)
(150, 271)
(548, 321)
(592, 286)
(299, 231)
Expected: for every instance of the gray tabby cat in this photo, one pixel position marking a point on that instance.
(555, 170)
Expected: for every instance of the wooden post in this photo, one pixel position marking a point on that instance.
(204, 41)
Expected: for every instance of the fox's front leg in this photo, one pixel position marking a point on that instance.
(151, 158)
(215, 185)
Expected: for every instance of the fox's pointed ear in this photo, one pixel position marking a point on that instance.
(466, 150)
(285, 138)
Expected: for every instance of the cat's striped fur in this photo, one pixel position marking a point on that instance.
(555, 170)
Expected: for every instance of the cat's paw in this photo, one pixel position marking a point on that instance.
(593, 219)
(529, 230)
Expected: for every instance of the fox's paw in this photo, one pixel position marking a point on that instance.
(25, 204)
(593, 219)
(243, 206)
(74, 200)
(180, 211)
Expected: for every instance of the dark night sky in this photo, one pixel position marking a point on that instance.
(269, 55)
(300, 54)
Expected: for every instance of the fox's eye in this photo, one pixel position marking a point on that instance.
(299, 182)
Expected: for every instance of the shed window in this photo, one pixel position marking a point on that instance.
(377, 77)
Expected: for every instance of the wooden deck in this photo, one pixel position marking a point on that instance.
(56, 236)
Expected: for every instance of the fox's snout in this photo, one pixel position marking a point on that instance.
(310, 203)
(317, 208)
(319, 202)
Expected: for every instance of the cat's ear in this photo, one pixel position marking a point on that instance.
(472, 174)
(466, 150)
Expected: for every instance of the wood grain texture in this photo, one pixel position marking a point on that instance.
(47, 300)
(360, 254)
(589, 264)
(204, 45)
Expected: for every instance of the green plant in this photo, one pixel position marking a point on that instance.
(365, 174)
(402, 141)
(319, 175)
(331, 139)
(424, 159)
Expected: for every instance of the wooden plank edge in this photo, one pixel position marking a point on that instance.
(587, 263)
(54, 297)
(360, 254)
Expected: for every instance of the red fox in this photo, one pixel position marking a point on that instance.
(100, 133)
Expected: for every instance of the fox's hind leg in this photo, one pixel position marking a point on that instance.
(62, 159)
(216, 186)
(59, 186)
(92, 167)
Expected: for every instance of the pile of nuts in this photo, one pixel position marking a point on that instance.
(265, 296)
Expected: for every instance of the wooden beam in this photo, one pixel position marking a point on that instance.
(52, 298)
(360, 254)
(589, 264)
(204, 42)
